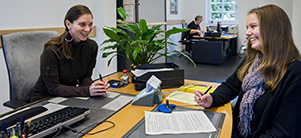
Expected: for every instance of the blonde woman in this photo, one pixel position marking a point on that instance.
(268, 83)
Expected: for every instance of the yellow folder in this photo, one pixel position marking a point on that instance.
(190, 88)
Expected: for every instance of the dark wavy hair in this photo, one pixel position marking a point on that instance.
(73, 14)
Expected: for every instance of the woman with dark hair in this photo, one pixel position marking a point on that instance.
(68, 60)
(268, 83)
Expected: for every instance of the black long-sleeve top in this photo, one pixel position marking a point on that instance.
(61, 77)
(277, 113)
(192, 25)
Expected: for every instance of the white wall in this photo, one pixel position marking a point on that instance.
(37, 13)
(149, 8)
(50, 13)
(4, 89)
(296, 22)
(193, 8)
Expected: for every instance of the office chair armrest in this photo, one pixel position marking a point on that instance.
(14, 104)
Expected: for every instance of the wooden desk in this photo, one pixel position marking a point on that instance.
(209, 37)
(130, 115)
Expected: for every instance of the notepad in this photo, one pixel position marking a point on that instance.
(190, 88)
(183, 97)
(185, 93)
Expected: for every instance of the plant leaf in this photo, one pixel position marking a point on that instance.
(143, 25)
(186, 57)
(156, 27)
(119, 31)
(107, 41)
(175, 30)
(135, 28)
(126, 27)
(140, 42)
(109, 62)
(109, 47)
(111, 34)
(122, 22)
(106, 54)
(136, 52)
(122, 13)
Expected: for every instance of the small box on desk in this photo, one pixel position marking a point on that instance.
(212, 34)
(170, 74)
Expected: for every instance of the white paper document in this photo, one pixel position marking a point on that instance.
(140, 72)
(177, 122)
(183, 97)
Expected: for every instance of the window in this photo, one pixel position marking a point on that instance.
(222, 10)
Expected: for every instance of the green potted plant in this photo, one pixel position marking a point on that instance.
(141, 44)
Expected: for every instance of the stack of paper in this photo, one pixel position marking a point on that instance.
(177, 122)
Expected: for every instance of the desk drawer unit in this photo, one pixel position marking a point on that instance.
(207, 52)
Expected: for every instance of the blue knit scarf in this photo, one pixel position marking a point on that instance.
(253, 87)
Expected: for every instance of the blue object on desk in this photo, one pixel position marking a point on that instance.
(166, 108)
(228, 35)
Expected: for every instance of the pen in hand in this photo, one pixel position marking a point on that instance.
(206, 91)
(100, 78)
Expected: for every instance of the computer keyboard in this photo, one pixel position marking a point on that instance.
(50, 123)
(26, 114)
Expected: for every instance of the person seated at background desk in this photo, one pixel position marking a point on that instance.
(268, 84)
(68, 60)
(195, 30)
(194, 27)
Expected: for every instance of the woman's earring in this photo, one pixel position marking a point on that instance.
(68, 37)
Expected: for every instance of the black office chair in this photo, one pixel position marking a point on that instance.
(184, 25)
(22, 52)
(185, 40)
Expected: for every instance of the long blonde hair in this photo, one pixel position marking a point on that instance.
(278, 45)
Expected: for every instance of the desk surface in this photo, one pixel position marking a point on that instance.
(208, 37)
(130, 115)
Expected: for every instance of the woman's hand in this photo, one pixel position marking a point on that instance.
(203, 100)
(98, 88)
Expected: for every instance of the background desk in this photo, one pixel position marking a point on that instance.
(130, 115)
(212, 50)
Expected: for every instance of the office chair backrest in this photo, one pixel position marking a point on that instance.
(184, 35)
(184, 25)
(22, 52)
(184, 38)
